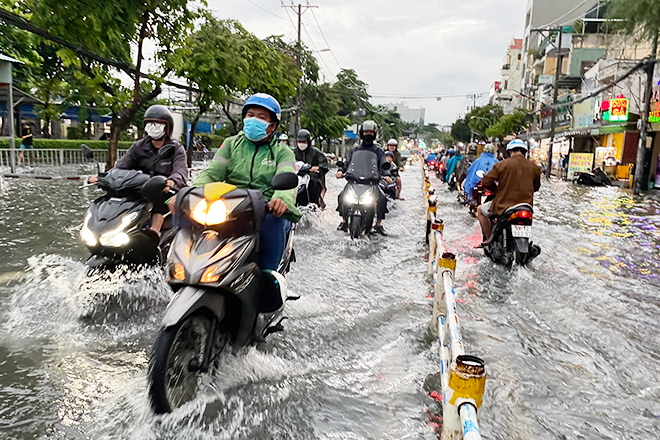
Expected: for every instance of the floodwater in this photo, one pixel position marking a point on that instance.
(571, 344)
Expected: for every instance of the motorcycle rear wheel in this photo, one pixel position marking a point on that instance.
(175, 372)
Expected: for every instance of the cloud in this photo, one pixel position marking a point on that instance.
(413, 47)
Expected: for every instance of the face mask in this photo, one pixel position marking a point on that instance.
(368, 139)
(155, 130)
(302, 146)
(255, 129)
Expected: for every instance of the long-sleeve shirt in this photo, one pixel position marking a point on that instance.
(143, 156)
(247, 166)
(514, 181)
(314, 157)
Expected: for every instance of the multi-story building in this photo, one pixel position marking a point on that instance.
(507, 91)
(416, 115)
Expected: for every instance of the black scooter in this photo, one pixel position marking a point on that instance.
(361, 193)
(223, 299)
(116, 225)
(511, 239)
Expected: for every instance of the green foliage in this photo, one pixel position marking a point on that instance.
(460, 131)
(211, 141)
(67, 143)
(509, 124)
(636, 17)
(481, 118)
(352, 92)
(320, 112)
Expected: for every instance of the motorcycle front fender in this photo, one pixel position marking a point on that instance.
(190, 299)
(522, 244)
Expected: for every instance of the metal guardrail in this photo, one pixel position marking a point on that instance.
(463, 377)
(54, 157)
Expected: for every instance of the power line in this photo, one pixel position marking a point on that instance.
(264, 9)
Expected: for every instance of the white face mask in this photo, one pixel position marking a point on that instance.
(155, 130)
(302, 146)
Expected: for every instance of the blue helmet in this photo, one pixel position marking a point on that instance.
(516, 143)
(451, 152)
(266, 101)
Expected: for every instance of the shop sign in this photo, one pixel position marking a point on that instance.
(580, 163)
(546, 79)
(654, 110)
(564, 113)
(616, 110)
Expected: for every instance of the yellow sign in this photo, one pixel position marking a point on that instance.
(580, 163)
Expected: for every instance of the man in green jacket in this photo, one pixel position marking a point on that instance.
(249, 160)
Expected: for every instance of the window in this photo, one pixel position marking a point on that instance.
(529, 16)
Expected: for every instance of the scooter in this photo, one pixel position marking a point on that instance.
(223, 300)
(597, 178)
(480, 195)
(116, 225)
(303, 170)
(511, 240)
(361, 193)
(389, 189)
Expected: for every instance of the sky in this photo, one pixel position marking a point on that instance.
(411, 48)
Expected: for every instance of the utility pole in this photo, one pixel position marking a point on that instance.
(639, 183)
(298, 10)
(555, 92)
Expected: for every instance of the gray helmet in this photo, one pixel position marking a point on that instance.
(472, 149)
(160, 113)
(368, 126)
(303, 136)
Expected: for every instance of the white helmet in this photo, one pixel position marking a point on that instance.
(516, 143)
(392, 142)
(284, 137)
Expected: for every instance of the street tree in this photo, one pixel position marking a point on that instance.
(320, 113)
(118, 30)
(482, 118)
(460, 130)
(353, 95)
(512, 124)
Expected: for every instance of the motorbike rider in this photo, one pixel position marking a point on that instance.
(304, 152)
(464, 164)
(452, 162)
(484, 163)
(368, 132)
(284, 138)
(392, 147)
(249, 160)
(143, 156)
(513, 181)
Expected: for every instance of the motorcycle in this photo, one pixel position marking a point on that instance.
(480, 195)
(361, 193)
(303, 170)
(223, 300)
(597, 178)
(390, 188)
(511, 237)
(116, 226)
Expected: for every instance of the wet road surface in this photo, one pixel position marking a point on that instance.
(571, 344)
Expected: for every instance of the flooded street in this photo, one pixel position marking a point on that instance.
(571, 344)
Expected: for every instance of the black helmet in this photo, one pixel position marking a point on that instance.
(389, 154)
(160, 113)
(368, 126)
(303, 136)
(473, 149)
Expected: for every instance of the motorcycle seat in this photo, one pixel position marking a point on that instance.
(519, 207)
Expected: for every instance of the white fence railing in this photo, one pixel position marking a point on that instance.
(463, 378)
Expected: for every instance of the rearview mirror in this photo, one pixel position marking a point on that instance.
(153, 187)
(340, 164)
(386, 166)
(284, 181)
(87, 152)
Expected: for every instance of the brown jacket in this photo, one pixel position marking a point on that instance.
(513, 181)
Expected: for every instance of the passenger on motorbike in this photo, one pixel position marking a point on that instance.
(484, 163)
(452, 162)
(249, 160)
(304, 152)
(144, 156)
(513, 181)
(368, 133)
(284, 138)
(464, 164)
(392, 147)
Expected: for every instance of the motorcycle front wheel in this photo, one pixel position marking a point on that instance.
(355, 226)
(179, 361)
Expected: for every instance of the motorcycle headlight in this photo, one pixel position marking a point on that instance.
(117, 237)
(86, 234)
(350, 197)
(367, 198)
(212, 214)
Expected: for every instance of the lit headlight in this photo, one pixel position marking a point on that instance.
(86, 234)
(117, 237)
(367, 198)
(212, 214)
(350, 197)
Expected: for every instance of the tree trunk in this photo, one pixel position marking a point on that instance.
(115, 131)
(225, 110)
(191, 139)
(46, 130)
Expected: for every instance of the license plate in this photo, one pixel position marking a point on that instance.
(521, 231)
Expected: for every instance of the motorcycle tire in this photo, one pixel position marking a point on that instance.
(355, 226)
(172, 370)
(519, 258)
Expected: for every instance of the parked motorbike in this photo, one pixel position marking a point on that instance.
(361, 193)
(597, 178)
(511, 240)
(223, 300)
(116, 225)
